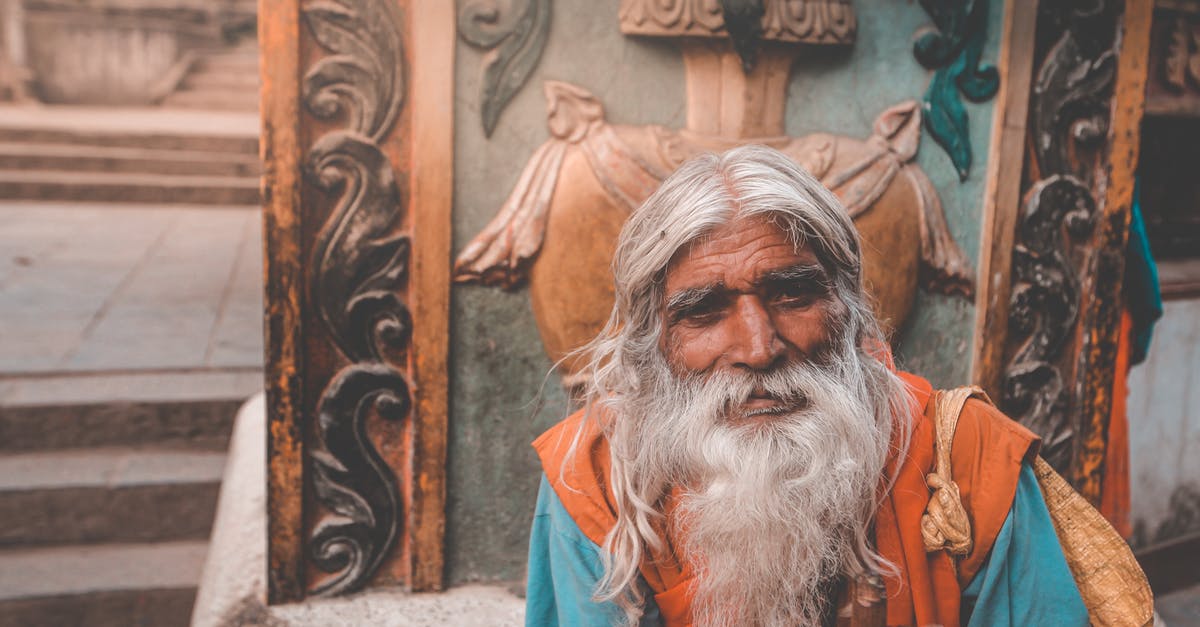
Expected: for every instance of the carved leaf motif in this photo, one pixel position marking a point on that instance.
(1070, 107)
(956, 48)
(808, 21)
(946, 119)
(512, 53)
(359, 270)
(352, 479)
(362, 78)
(1043, 310)
(937, 48)
(355, 253)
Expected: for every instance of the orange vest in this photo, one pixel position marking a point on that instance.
(987, 454)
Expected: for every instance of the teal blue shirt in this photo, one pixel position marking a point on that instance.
(1024, 581)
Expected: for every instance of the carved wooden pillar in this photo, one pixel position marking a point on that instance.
(1050, 283)
(357, 149)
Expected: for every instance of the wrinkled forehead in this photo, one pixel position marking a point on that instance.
(737, 254)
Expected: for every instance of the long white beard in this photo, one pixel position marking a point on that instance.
(775, 508)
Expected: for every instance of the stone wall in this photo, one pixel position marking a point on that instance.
(1164, 429)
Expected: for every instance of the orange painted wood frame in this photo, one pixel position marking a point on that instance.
(357, 145)
(1086, 364)
(1103, 301)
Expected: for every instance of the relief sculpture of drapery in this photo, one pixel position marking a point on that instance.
(359, 271)
(559, 226)
(1068, 122)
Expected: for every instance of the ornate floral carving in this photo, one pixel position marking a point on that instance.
(359, 271)
(955, 50)
(1044, 309)
(513, 46)
(1069, 114)
(806, 21)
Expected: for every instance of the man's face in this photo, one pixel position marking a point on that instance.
(746, 299)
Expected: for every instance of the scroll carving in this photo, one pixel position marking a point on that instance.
(954, 50)
(1044, 309)
(1069, 117)
(359, 271)
(513, 49)
(801, 21)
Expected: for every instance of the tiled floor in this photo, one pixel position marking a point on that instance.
(108, 287)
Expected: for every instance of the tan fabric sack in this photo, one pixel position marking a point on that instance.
(1111, 582)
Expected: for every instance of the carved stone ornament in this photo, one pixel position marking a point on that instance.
(796, 21)
(1068, 121)
(359, 270)
(559, 226)
(514, 43)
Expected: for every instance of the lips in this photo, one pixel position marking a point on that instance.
(761, 402)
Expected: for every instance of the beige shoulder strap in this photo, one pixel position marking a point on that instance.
(1110, 581)
(945, 524)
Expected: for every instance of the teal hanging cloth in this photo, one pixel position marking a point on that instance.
(1142, 294)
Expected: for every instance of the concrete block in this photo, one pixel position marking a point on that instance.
(233, 585)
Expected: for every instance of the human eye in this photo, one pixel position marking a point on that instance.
(796, 294)
(699, 310)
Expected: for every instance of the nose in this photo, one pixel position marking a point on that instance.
(754, 343)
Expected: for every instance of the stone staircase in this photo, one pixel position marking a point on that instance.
(108, 484)
(128, 156)
(225, 79)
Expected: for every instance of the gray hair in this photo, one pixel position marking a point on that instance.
(624, 364)
(704, 193)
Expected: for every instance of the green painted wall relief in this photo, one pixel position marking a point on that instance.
(955, 51)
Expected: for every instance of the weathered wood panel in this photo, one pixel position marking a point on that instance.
(1003, 192)
(1050, 283)
(278, 33)
(1103, 301)
(357, 298)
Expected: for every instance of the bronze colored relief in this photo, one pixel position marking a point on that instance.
(558, 228)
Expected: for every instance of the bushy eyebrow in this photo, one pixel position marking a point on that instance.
(799, 273)
(692, 296)
(810, 273)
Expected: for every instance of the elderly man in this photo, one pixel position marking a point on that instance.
(747, 454)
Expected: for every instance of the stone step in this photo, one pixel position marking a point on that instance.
(224, 144)
(73, 158)
(125, 187)
(221, 100)
(222, 80)
(107, 495)
(175, 410)
(159, 128)
(246, 63)
(118, 585)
